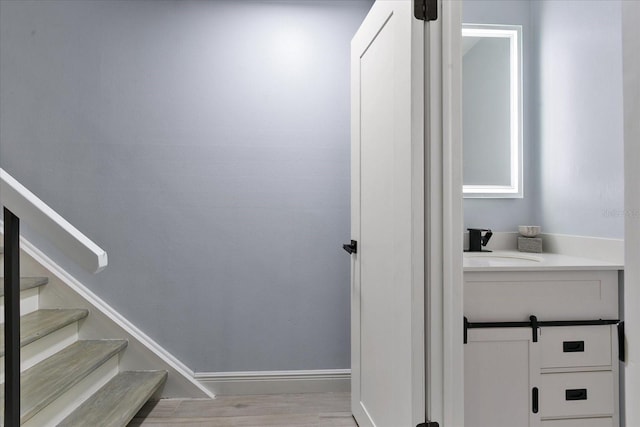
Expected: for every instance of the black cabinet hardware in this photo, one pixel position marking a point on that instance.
(352, 248)
(534, 324)
(429, 424)
(534, 400)
(573, 346)
(576, 394)
(466, 328)
(621, 343)
(534, 328)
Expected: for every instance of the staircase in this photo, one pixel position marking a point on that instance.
(66, 381)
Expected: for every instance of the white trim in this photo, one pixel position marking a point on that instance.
(445, 361)
(276, 382)
(41, 218)
(631, 95)
(143, 351)
(419, 140)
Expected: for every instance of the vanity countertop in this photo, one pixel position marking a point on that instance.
(511, 260)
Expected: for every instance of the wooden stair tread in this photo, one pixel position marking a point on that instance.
(26, 283)
(118, 401)
(44, 382)
(40, 323)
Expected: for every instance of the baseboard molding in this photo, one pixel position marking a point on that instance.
(276, 382)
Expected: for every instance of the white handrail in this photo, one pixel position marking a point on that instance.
(41, 218)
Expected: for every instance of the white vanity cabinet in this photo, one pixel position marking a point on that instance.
(563, 373)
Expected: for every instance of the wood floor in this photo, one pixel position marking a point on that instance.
(300, 410)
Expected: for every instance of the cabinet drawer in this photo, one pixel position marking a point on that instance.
(579, 422)
(575, 346)
(578, 394)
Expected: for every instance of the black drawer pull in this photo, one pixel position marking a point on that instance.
(573, 346)
(534, 400)
(576, 394)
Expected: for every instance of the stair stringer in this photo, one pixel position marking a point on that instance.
(104, 322)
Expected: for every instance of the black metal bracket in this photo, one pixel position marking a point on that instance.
(621, 342)
(429, 424)
(425, 10)
(534, 328)
(351, 248)
(466, 328)
(534, 324)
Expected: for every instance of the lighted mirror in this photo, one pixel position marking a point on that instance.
(492, 110)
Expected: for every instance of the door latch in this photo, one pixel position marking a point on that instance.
(352, 248)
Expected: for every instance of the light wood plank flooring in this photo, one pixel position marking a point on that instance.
(299, 410)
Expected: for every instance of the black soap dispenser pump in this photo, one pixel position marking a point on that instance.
(477, 240)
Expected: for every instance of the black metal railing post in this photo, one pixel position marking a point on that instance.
(11, 319)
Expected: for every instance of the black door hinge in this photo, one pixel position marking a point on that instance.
(425, 10)
(429, 424)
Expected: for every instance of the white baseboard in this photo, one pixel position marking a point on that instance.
(276, 382)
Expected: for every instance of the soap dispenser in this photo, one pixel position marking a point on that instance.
(477, 240)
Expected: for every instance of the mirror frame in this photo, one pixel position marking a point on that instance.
(514, 34)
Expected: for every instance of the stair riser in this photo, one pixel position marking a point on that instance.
(44, 347)
(28, 302)
(70, 400)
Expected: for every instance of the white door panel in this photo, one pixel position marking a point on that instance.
(385, 359)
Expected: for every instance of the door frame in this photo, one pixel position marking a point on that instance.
(631, 90)
(444, 217)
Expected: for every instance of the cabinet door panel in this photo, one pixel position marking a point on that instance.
(501, 369)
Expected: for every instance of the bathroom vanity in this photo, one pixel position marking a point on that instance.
(541, 340)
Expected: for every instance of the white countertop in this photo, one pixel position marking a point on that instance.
(510, 260)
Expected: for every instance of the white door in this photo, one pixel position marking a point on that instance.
(387, 211)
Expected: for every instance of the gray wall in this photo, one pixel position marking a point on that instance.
(580, 128)
(205, 146)
(507, 214)
(573, 145)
